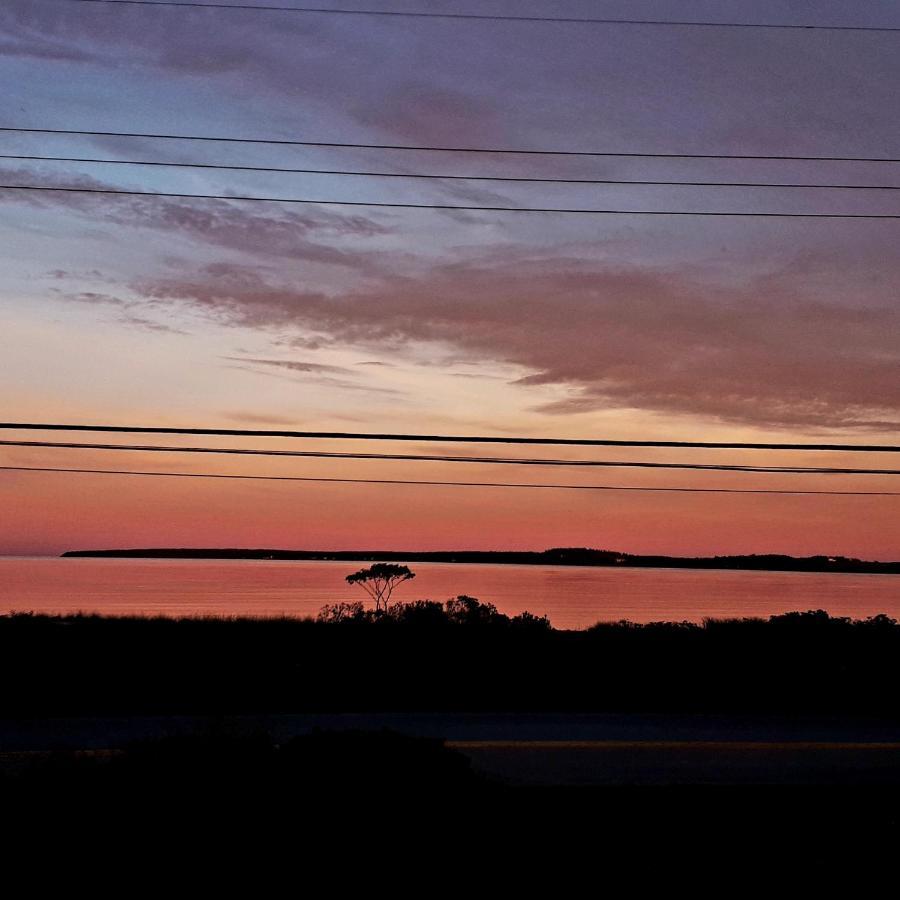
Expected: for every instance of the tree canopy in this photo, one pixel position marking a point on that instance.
(380, 580)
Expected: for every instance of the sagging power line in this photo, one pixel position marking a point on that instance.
(740, 214)
(440, 176)
(482, 460)
(488, 17)
(479, 484)
(285, 142)
(443, 438)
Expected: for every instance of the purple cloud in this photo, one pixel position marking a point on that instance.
(665, 341)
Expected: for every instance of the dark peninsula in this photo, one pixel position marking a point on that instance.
(561, 556)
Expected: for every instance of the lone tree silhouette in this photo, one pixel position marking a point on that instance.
(379, 581)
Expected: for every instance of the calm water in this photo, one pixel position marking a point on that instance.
(573, 597)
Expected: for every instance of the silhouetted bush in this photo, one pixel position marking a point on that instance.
(529, 620)
(465, 610)
(461, 610)
(336, 613)
(420, 614)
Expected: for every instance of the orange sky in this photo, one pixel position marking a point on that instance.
(48, 513)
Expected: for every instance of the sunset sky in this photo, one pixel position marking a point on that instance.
(155, 311)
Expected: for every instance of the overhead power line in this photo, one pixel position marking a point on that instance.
(486, 17)
(284, 142)
(479, 484)
(447, 206)
(482, 460)
(442, 438)
(447, 177)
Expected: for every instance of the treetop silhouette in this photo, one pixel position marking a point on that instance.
(380, 580)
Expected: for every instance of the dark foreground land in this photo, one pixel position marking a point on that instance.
(459, 657)
(328, 791)
(460, 728)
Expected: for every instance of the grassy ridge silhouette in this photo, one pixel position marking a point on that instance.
(459, 656)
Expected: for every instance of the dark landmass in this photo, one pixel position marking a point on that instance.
(561, 556)
(462, 656)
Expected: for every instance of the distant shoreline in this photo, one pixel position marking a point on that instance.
(554, 557)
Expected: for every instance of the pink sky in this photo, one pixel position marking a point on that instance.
(217, 313)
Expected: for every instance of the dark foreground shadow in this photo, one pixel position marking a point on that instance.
(200, 773)
(332, 792)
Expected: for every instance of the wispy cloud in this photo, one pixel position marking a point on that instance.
(292, 365)
(252, 418)
(277, 233)
(322, 374)
(672, 341)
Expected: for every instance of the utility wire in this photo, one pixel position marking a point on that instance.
(443, 177)
(484, 17)
(480, 484)
(443, 438)
(448, 206)
(484, 460)
(435, 149)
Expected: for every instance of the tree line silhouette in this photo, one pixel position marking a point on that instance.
(460, 655)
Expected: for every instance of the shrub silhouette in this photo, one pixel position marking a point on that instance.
(465, 610)
(337, 613)
(420, 614)
(531, 621)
